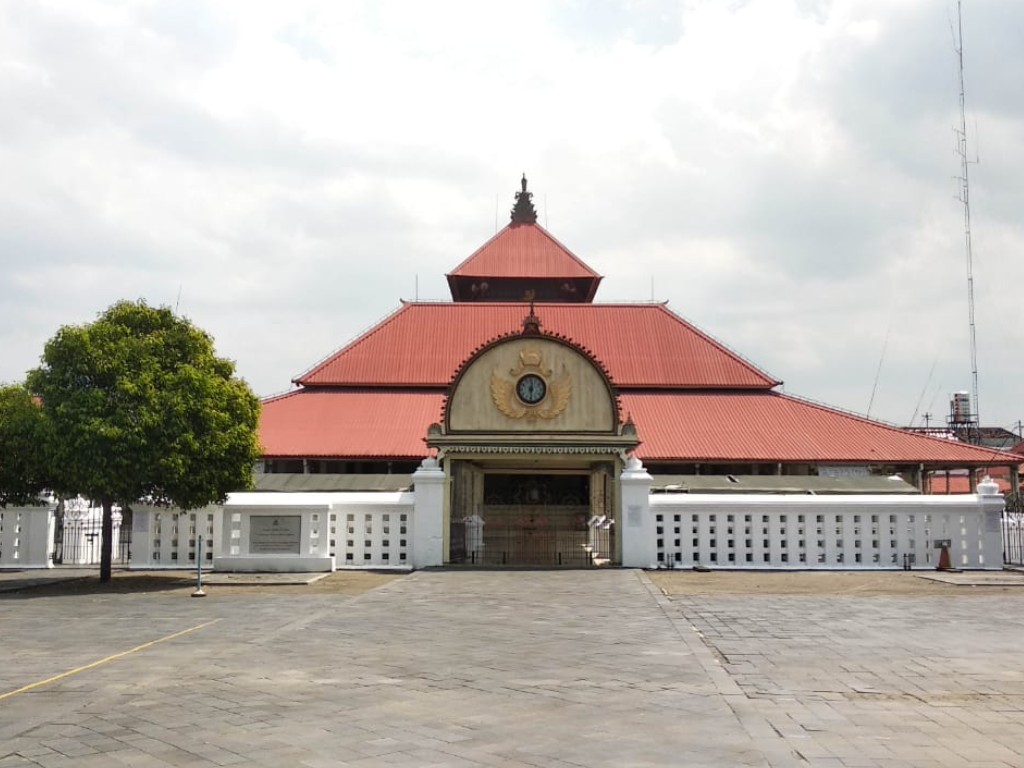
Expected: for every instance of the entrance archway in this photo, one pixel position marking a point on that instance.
(532, 444)
(507, 517)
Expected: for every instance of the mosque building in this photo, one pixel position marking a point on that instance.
(533, 398)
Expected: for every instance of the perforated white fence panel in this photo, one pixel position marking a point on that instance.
(11, 537)
(26, 537)
(172, 537)
(363, 537)
(739, 532)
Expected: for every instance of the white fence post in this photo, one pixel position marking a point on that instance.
(638, 528)
(142, 537)
(992, 505)
(428, 515)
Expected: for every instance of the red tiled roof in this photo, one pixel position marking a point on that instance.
(642, 345)
(771, 427)
(350, 423)
(936, 484)
(523, 250)
(711, 427)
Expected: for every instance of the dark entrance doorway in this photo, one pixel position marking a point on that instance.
(529, 519)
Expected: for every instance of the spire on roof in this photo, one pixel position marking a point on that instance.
(523, 211)
(531, 323)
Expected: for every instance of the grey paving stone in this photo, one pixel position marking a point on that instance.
(554, 669)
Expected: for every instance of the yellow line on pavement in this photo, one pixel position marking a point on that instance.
(116, 656)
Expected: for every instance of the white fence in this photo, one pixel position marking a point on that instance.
(762, 531)
(26, 537)
(1013, 538)
(378, 535)
(402, 530)
(165, 537)
(344, 530)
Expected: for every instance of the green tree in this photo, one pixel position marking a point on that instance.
(23, 443)
(140, 406)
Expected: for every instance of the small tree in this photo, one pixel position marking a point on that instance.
(23, 443)
(140, 406)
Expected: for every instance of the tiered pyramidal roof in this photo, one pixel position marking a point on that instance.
(691, 398)
(523, 262)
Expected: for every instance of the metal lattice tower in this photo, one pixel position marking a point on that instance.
(960, 133)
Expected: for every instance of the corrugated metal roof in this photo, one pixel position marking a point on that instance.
(642, 345)
(358, 424)
(523, 250)
(780, 484)
(724, 427)
(960, 484)
(715, 427)
(310, 483)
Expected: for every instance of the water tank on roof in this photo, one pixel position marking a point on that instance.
(960, 407)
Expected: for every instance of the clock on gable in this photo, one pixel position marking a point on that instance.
(531, 389)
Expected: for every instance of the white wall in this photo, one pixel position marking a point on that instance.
(165, 537)
(26, 537)
(837, 532)
(399, 530)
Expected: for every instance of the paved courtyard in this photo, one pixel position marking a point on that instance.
(517, 668)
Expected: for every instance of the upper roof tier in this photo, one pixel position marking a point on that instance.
(523, 262)
(642, 346)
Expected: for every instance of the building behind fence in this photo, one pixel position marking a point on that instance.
(407, 529)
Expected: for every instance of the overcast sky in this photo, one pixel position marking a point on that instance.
(780, 171)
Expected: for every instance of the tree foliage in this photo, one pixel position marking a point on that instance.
(141, 407)
(23, 445)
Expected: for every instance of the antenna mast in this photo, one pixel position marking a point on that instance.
(965, 198)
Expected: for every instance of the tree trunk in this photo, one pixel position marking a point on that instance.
(106, 540)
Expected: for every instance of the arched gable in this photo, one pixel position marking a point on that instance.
(531, 383)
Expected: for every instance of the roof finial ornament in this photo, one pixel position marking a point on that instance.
(531, 323)
(523, 211)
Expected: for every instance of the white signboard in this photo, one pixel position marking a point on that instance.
(274, 534)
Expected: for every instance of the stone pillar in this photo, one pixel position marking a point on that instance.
(428, 515)
(992, 504)
(142, 538)
(637, 527)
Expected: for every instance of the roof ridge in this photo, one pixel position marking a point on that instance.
(699, 359)
(353, 342)
(720, 345)
(565, 248)
(516, 225)
(469, 258)
(641, 304)
(280, 396)
(995, 454)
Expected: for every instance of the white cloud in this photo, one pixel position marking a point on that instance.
(782, 171)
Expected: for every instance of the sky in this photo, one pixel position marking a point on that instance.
(782, 172)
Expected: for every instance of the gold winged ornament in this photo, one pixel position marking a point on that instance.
(548, 395)
(559, 391)
(503, 393)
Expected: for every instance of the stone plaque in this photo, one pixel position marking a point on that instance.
(274, 534)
